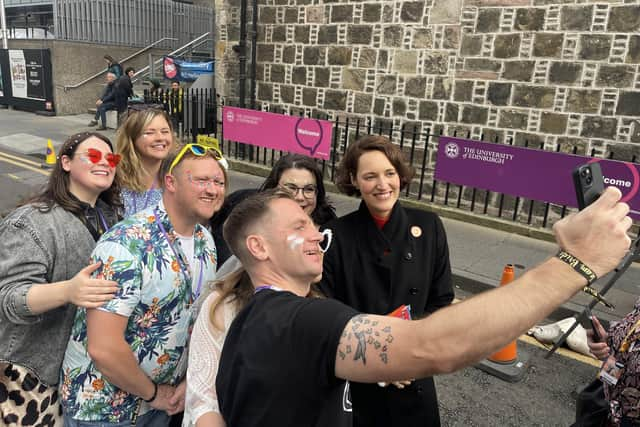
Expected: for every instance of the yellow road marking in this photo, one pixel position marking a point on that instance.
(10, 175)
(23, 163)
(20, 159)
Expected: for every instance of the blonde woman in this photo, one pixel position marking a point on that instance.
(143, 141)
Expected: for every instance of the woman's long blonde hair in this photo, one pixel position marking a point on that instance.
(236, 288)
(130, 171)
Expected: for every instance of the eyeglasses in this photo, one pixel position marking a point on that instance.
(308, 191)
(197, 150)
(203, 183)
(95, 156)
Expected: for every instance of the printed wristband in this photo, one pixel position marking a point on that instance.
(155, 393)
(577, 265)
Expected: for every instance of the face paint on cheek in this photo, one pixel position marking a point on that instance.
(294, 241)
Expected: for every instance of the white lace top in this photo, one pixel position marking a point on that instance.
(204, 357)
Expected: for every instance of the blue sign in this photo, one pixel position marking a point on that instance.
(186, 71)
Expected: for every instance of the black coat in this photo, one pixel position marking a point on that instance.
(375, 271)
(122, 90)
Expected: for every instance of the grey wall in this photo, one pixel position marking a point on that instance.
(543, 71)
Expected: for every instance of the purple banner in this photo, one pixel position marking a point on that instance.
(524, 172)
(300, 135)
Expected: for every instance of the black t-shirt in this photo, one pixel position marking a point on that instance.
(278, 363)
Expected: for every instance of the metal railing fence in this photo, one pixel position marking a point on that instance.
(130, 23)
(420, 148)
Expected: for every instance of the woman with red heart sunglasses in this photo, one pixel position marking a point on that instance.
(44, 277)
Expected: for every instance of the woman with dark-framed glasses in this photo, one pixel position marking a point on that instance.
(297, 173)
(44, 250)
(143, 141)
(385, 256)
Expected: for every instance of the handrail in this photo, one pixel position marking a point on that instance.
(133, 55)
(193, 43)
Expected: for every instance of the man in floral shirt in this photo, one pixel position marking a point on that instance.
(122, 360)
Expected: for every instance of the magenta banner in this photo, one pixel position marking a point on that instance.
(524, 172)
(287, 133)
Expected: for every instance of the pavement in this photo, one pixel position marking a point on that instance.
(478, 252)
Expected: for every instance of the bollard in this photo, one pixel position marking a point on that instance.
(506, 363)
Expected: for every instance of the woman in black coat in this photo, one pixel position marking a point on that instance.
(383, 256)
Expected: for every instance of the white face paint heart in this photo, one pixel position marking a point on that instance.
(328, 235)
(294, 241)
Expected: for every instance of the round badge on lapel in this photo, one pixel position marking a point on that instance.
(416, 231)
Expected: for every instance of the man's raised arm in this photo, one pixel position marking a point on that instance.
(379, 348)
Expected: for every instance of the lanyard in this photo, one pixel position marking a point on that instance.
(265, 287)
(105, 227)
(183, 268)
(624, 346)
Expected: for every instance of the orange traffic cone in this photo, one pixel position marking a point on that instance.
(506, 364)
(509, 353)
(50, 157)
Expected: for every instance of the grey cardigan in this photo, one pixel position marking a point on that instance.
(36, 248)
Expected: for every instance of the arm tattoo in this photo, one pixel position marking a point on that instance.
(365, 334)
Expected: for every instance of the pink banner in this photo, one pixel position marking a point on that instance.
(300, 135)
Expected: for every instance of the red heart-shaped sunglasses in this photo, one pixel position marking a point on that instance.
(95, 156)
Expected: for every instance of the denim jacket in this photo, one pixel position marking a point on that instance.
(38, 248)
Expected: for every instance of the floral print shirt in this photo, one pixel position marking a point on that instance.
(135, 202)
(156, 295)
(624, 397)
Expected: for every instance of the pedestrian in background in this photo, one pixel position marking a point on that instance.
(176, 103)
(122, 91)
(113, 66)
(44, 251)
(384, 256)
(144, 141)
(101, 106)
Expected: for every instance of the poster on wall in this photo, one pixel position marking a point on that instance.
(35, 80)
(26, 80)
(18, 74)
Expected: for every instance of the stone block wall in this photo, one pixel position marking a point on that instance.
(542, 72)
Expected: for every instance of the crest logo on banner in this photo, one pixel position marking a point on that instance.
(452, 150)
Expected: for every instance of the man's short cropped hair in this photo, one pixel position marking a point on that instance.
(129, 69)
(240, 223)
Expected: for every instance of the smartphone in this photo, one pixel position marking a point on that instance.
(588, 183)
(588, 323)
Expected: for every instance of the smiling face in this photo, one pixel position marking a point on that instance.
(378, 182)
(298, 180)
(154, 142)
(87, 179)
(293, 241)
(198, 185)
